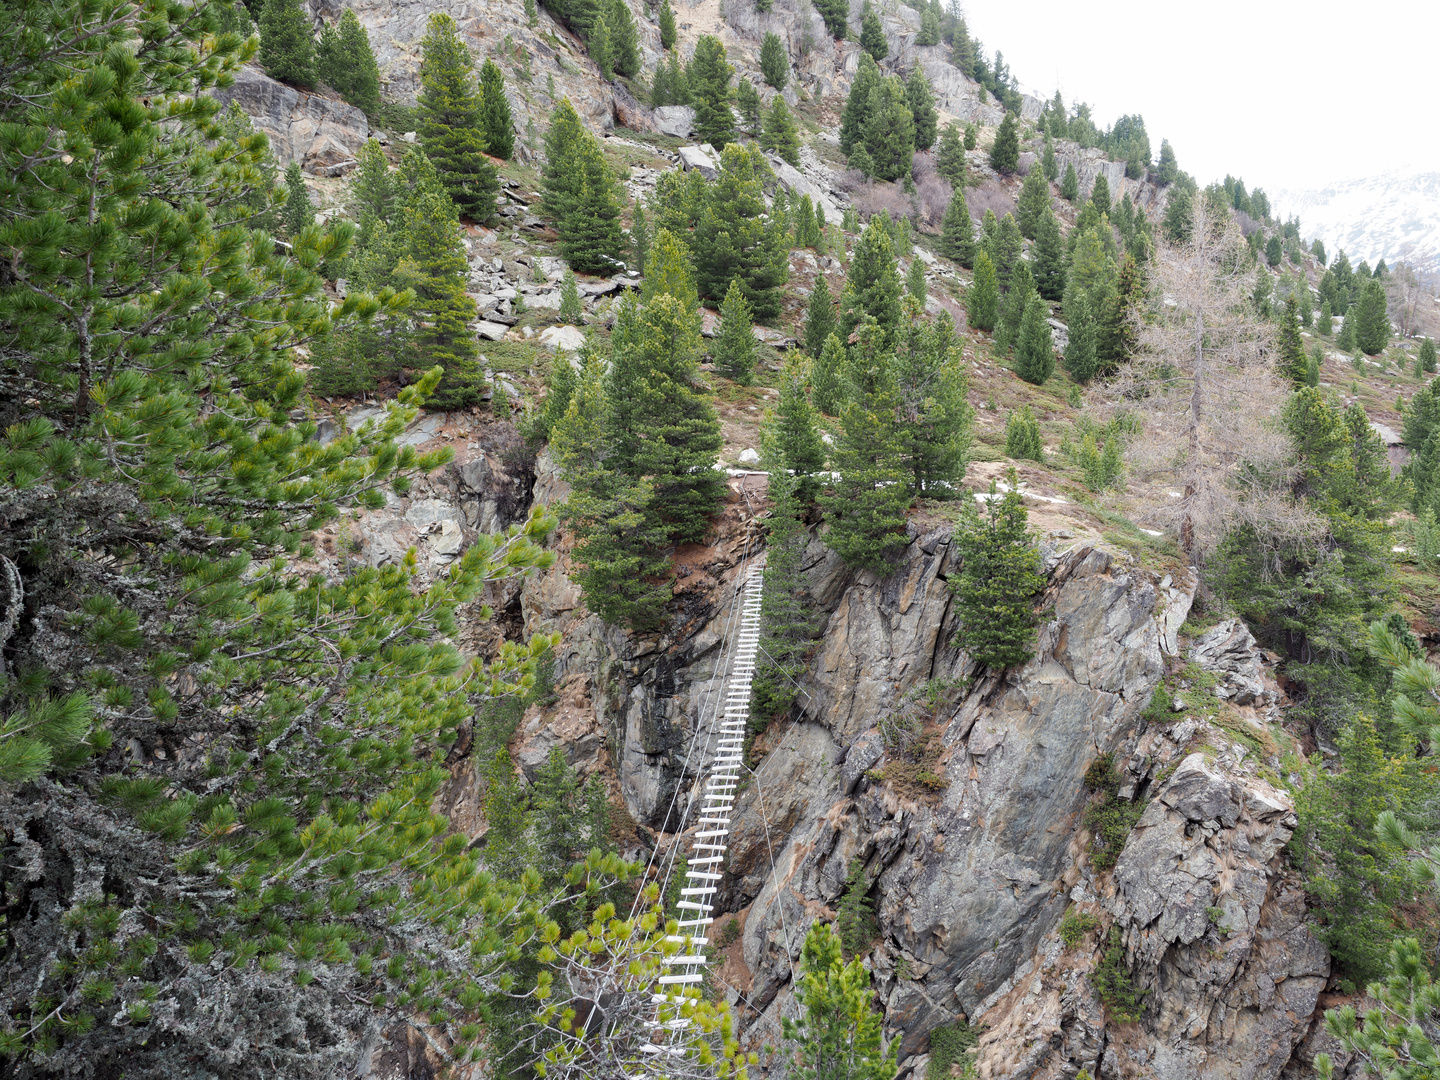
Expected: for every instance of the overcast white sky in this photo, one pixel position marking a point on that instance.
(1282, 94)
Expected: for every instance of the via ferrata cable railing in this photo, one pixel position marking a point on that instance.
(703, 872)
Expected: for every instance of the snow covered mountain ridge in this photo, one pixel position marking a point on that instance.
(1394, 216)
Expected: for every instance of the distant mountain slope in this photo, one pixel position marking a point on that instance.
(1394, 216)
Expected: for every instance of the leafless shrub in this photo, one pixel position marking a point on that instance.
(850, 180)
(1247, 223)
(989, 196)
(932, 191)
(880, 198)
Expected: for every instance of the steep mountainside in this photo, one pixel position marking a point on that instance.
(1394, 216)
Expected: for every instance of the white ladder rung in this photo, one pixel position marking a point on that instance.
(670, 980)
(695, 959)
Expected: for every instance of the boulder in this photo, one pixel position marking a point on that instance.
(675, 120)
(563, 338)
(491, 331)
(695, 158)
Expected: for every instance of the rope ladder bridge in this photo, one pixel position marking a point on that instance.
(686, 969)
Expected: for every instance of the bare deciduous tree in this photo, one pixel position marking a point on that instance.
(1204, 384)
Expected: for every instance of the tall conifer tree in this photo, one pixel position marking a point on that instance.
(1005, 151)
(872, 286)
(866, 506)
(436, 268)
(709, 82)
(734, 239)
(452, 123)
(921, 100)
(287, 47)
(499, 125)
(819, 316)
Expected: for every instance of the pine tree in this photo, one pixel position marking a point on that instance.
(1080, 359)
(532, 14)
(667, 26)
(827, 377)
(1167, 171)
(1003, 243)
(1325, 323)
(734, 348)
(1005, 151)
(299, 211)
(957, 232)
(857, 104)
(935, 417)
(1012, 308)
(709, 83)
(787, 614)
(889, 131)
(345, 62)
(866, 506)
(982, 299)
(747, 101)
(571, 310)
(1274, 251)
(581, 194)
(792, 438)
(1047, 258)
(624, 39)
(1345, 340)
(597, 43)
(929, 28)
(840, 1032)
(1034, 352)
(1048, 163)
(287, 47)
(1426, 355)
(669, 271)
(1121, 311)
(872, 34)
(972, 136)
(1092, 272)
(1100, 194)
(819, 317)
(733, 238)
(836, 14)
(1291, 360)
(664, 423)
(1033, 203)
(436, 268)
(1022, 436)
(640, 237)
(452, 122)
(175, 352)
(780, 136)
(950, 156)
(1070, 184)
(872, 286)
(618, 556)
(774, 63)
(1372, 319)
(998, 581)
(915, 282)
(561, 382)
(921, 100)
(499, 125)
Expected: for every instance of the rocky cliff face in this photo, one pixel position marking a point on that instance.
(960, 793)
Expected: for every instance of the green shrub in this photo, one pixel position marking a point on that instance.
(729, 933)
(1112, 981)
(1022, 435)
(949, 1046)
(856, 916)
(1075, 925)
